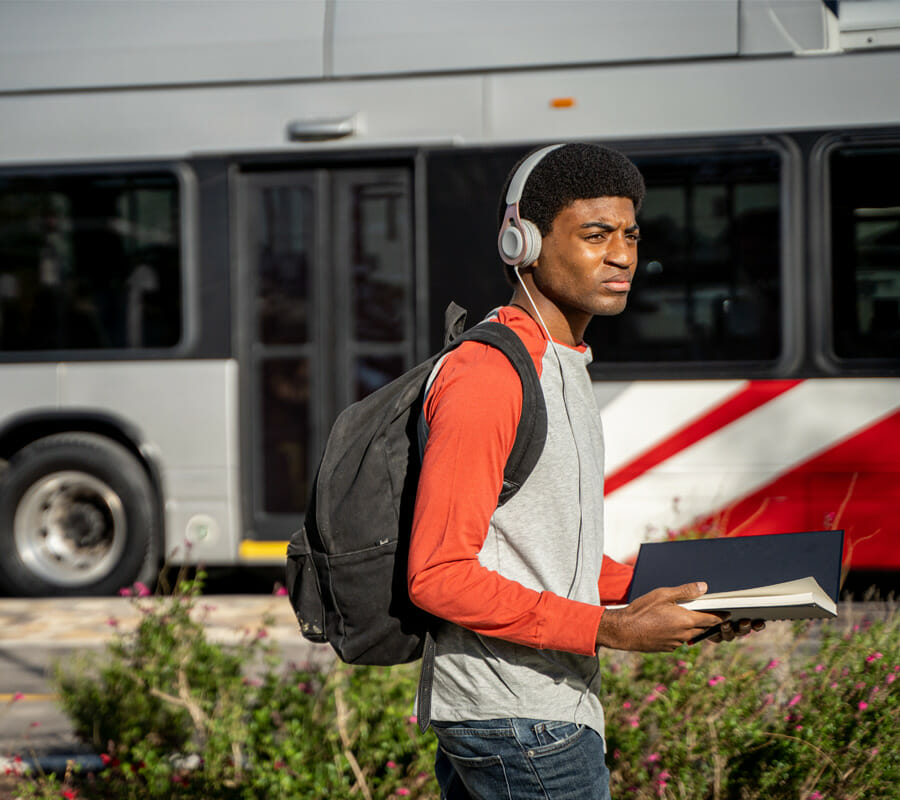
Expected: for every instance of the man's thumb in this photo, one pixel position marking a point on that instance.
(690, 591)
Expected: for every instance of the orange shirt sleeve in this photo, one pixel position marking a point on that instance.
(472, 411)
(615, 580)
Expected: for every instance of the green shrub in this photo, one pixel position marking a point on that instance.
(175, 716)
(729, 722)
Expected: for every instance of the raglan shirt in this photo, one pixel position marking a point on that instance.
(519, 587)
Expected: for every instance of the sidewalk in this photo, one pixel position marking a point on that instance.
(64, 622)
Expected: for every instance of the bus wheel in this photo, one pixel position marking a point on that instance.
(78, 516)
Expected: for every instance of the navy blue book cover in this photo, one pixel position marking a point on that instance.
(741, 562)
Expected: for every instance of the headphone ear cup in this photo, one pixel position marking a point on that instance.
(531, 246)
(511, 243)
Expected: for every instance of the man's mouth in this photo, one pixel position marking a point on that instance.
(618, 286)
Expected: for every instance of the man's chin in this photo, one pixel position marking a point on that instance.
(612, 308)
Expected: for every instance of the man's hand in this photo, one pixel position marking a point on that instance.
(655, 622)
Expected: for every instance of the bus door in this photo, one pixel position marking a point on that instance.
(325, 316)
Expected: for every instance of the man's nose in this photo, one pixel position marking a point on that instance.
(620, 253)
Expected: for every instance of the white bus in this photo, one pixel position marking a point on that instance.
(221, 222)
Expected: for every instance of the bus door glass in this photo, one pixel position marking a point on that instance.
(326, 295)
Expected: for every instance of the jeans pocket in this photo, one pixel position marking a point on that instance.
(483, 776)
(552, 733)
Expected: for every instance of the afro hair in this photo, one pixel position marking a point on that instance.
(573, 172)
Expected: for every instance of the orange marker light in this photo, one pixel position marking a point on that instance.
(562, 102)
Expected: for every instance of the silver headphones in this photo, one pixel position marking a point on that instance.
(519, 240)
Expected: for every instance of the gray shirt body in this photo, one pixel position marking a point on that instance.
(548, 537)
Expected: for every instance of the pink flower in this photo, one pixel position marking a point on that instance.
(281, 591)
(112, 622)
(773, 663)
(863, 705)
(820, 667)
(891, 678)
(412, 719)
(794, 700)
(716, 680)
(873, 657)
(391, 765)
(626, 704)
(816, 796)
(653, 758)
(18, 696)
(124, 592)
(402, 791)
(141, 589)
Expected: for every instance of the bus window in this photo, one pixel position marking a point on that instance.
(708, 284)
(90, 262)
(865, 252)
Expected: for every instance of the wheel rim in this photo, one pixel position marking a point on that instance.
(70, 528)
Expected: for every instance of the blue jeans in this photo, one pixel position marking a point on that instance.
(520, 759)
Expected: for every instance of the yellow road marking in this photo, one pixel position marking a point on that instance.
(24, 697)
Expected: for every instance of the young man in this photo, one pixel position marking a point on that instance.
(516, 694)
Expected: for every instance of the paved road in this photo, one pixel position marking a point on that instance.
(36, 634)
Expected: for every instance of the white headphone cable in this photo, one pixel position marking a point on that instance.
(562, 380)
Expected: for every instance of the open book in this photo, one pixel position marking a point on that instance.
(799, 599)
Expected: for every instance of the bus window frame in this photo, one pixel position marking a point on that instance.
(821, 261)
(792, 314)
(188, 251)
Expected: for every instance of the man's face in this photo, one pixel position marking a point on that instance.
(588, 258)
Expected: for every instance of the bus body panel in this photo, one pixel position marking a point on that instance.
(804, 455)
(200, 453)
(695, 98)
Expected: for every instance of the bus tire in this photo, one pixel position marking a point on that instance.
(78, 516)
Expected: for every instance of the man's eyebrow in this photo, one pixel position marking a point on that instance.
(597, 224)
(609, 228)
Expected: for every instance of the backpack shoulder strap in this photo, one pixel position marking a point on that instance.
(532, 430)
(531, 434)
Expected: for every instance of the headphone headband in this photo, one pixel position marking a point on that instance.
(517, 184)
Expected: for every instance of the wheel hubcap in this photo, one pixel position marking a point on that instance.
(70, 528)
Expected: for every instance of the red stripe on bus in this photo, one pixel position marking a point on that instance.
(853, 485)
(756, 394)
